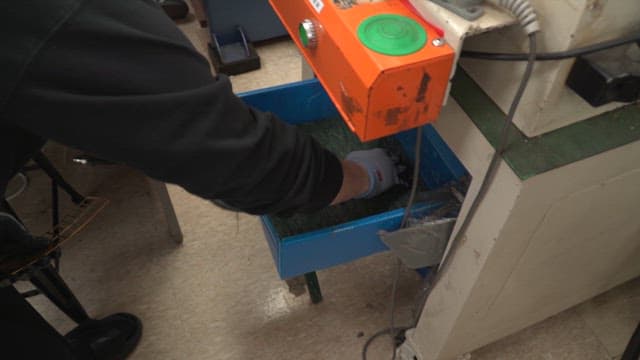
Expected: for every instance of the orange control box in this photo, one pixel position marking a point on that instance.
(378, 61)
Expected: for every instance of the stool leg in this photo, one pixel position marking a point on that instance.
(160, 191)
(46, 165)
(49, 282)
(55, 208)
(313, 286)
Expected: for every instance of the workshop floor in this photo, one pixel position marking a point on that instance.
(218, 295)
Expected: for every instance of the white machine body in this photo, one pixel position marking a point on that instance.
(548, 103)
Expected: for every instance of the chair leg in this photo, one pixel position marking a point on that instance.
(57, 178)
(55, 207)
(46, 278)
(51, 284)
(160, 191)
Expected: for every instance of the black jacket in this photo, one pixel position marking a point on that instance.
(117, 79)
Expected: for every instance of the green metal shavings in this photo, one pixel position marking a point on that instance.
(335, 136)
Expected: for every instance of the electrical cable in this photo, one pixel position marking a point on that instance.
(434, 275)
(560, 55)
(403, 224)
(487, 180)
(21, 189)
(524, 11)
(488, 177)
(392, 306)
(375, 336)
(415, 180)
(391, 330)
(504, 140)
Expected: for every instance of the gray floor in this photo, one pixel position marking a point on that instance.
(218, 295)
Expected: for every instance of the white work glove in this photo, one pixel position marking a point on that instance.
(380, 167)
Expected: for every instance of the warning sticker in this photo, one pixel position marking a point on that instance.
(317, 4)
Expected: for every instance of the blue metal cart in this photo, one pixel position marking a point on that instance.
(305, 253)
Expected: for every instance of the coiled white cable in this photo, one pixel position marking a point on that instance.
(524, 12)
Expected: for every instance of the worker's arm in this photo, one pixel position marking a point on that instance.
(121, 81)
(355, 182)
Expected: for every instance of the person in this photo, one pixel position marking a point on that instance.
(118, 79)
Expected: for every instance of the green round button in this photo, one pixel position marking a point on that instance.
(304, 37)
(391, 34)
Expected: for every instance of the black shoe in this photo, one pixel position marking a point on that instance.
(112, 338)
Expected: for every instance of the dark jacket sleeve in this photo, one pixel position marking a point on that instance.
(121, 81)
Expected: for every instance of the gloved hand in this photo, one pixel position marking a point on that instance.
(380, 167)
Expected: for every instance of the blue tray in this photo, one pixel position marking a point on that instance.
(306, 101)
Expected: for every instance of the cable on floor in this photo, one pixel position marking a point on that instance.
(23, 186)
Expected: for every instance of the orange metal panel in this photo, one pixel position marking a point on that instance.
(377, 94)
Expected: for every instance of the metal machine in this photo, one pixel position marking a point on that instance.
(385, 68)
(554, 222)
(338, 40)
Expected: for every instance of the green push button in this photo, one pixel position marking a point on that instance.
(303, 36)
(391, 34)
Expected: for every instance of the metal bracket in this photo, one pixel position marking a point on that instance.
(468, 9)
(421, 244)
(456, 28)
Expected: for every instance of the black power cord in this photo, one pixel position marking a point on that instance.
(560, 55)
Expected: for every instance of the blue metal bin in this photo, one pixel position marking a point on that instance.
(306, 101)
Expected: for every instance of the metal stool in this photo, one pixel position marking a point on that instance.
(42, 267)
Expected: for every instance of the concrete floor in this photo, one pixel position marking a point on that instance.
(218, 295)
